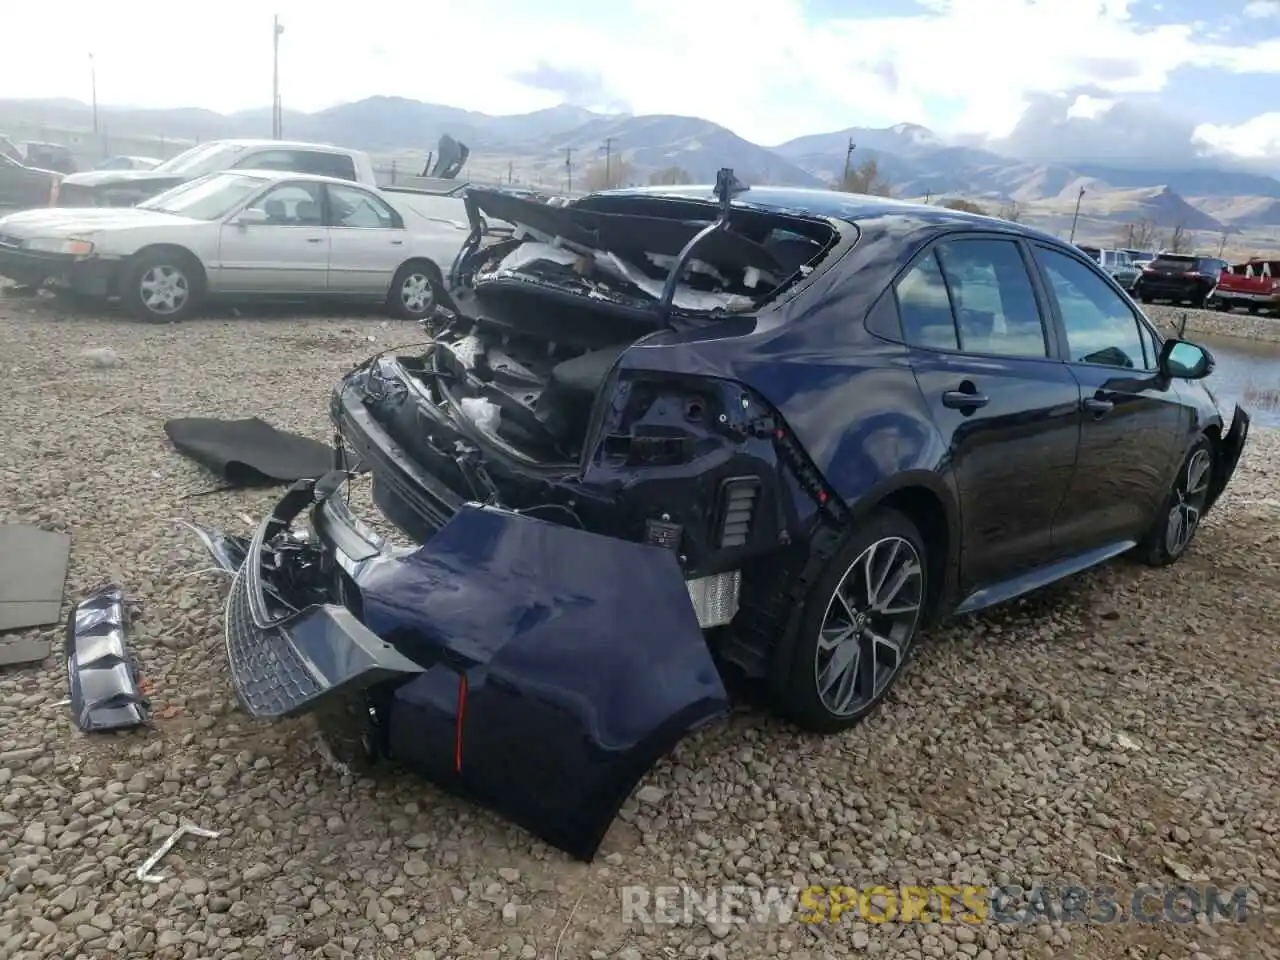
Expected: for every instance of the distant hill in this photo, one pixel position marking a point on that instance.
(534, 147)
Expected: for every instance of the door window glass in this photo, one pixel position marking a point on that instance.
(994, 302)
(349, 207)
(292, 205)
(1100, 326)
(925, 308)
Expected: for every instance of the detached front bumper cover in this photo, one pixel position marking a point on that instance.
(101, 671)
(538, 669)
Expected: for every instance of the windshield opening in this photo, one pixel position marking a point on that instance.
(210, 198)
(201, 159)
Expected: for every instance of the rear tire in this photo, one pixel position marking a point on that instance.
(1179, 517)
(162, 286)
(415, 291)
(858, 626)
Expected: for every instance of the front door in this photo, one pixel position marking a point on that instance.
(1007, 407)
(1130, 445)
(368, 242)
(288, 253)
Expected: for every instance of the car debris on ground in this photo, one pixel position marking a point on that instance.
(1006, 757)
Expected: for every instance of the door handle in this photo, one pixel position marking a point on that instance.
(315, 239)
(397, 243)
(1098, 407)
(963, 400)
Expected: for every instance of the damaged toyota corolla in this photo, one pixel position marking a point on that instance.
(657, 434)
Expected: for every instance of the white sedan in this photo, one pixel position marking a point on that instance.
(245, 234)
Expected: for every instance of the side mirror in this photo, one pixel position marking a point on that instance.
(1185, 360)
(252, 215)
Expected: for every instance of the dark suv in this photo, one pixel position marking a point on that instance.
(1180, 278)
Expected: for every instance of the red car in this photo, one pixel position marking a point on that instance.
(1255, 285)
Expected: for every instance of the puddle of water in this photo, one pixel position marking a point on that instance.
(1246, 372)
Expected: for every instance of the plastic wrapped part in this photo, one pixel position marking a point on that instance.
(483, 413)
(100, 670)
(535, 251)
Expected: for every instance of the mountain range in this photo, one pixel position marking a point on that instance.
(533, 148)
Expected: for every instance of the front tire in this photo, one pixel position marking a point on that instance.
(162, 286)
(414, 291)
(1179, 518)
(857, 626)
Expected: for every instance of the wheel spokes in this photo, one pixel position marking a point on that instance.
(869, 621)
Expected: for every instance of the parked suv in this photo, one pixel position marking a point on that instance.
(1118, 263)
(1179, 278)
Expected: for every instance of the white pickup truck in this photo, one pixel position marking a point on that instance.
(434, 198)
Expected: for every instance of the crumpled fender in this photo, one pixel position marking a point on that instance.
(564, 665)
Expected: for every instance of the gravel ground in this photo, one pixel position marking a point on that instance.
(1119, 729)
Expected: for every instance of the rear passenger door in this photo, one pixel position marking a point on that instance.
(1004, 403)
(1130, 442)
(367, 242)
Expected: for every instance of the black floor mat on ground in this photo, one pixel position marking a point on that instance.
(251, 452)
(33, 569)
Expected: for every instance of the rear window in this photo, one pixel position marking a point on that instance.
(1093, 252)
(1171, 262)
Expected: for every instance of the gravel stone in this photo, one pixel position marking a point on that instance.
(1116, 729)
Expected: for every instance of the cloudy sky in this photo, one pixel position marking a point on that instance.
(1160, 79)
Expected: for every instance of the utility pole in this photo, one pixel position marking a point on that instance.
(1076, 216)
(277, 118)
(93, 87)
(608, 162)
(568, 169)
(928, 195)
(848, 156)
(511, 171)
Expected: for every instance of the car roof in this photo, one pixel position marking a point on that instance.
(838, 205)
(276, 176)
(280, 144)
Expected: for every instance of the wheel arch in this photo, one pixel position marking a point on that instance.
(925, 498)
(176, 249)
(437, 277)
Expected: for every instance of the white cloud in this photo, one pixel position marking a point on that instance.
(761, 67)
(1085, 107)
(1256, 139)
(1262, 9)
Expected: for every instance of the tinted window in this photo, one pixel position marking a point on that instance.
(301, 161)
(292, 205)
(336, 165)
(993, 299)
(349, 207)
(925, 308)
(1099, 325)
(1172, 262)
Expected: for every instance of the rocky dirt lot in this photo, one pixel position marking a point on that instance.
(1117, 730)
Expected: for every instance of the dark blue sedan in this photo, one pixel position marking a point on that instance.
(661, 434)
